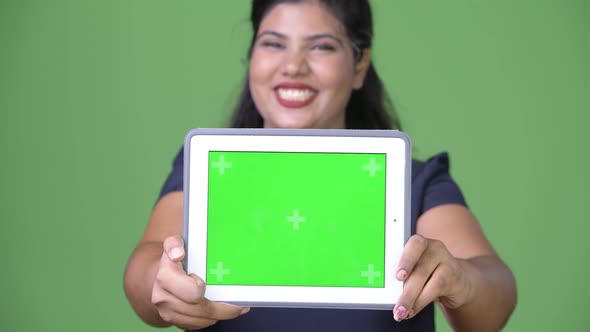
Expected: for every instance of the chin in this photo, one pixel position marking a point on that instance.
(291, 124)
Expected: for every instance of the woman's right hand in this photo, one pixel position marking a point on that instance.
(179, 298)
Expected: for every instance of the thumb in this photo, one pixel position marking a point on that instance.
(174, 248)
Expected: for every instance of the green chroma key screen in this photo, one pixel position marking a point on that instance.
(296, 219)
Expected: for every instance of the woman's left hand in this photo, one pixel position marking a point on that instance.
(430, 274)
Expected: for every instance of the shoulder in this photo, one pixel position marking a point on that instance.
(436, 165)
(432, 185)
(174, 181)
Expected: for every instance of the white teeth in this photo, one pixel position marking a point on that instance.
(295, 94)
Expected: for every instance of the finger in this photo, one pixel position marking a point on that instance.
(433, 289)
(174, 280)
(174, 248)
(203, 309)
(413, 287)
(413, 250)
(222, 311)
(182, 314)
(186, 322)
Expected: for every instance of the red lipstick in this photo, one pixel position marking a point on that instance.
(294, 95)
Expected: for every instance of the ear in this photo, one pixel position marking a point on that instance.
(360, 69)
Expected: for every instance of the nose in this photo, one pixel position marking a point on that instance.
(295, 64)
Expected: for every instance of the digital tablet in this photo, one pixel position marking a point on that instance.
(297, 218)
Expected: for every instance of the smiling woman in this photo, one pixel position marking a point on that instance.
(311, 58)
(302, 68)
(310, 67)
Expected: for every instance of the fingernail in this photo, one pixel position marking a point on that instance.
(175, 253)
(402, 274)
(245, 310)
(399, 314)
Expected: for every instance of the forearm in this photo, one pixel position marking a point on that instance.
(139, 280)
(492, 300)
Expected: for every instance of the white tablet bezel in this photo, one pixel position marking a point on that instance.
(397, 149)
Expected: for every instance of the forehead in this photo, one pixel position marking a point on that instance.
(304, 18)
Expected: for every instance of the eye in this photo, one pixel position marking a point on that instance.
(272, 44)
(324, 47)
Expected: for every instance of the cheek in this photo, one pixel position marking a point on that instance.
(336, 77)
(255, 81)
(260, 74)
(261, 68)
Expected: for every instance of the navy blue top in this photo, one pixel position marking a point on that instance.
(432, 185)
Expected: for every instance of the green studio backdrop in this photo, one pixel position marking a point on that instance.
(96, 96)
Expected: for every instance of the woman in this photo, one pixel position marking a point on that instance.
(310, 67)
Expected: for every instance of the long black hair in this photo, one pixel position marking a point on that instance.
(369, 107)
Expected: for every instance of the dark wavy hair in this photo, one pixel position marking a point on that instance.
(369, 107)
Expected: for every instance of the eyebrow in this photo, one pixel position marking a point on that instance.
(308, 38)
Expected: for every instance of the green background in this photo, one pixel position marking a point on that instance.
(95, 98)
(249, 206)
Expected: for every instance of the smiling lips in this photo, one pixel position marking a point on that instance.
(294, 95)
